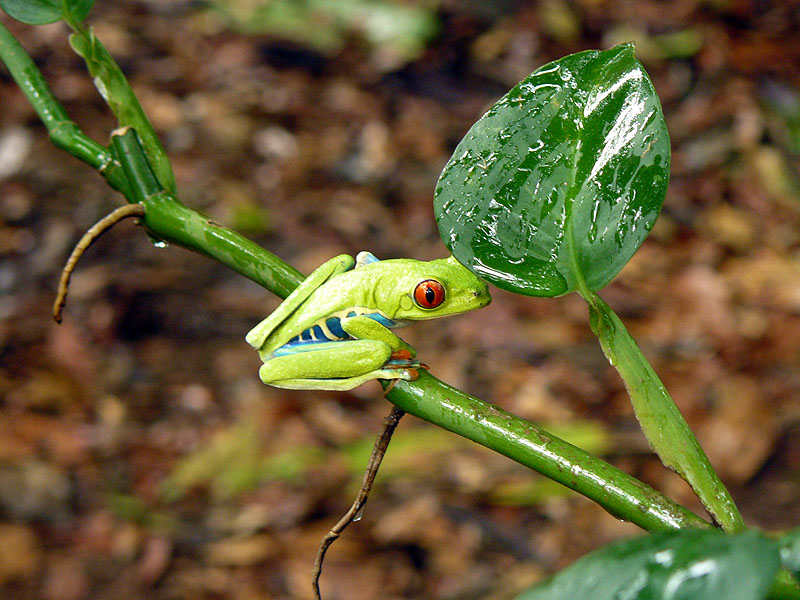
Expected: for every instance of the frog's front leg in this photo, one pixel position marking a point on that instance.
(340, 365)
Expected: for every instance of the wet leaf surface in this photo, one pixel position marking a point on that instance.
(671, 566)
(562, 179)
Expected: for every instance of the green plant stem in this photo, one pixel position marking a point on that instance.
(659, 417)
(167, 219)
(64, 133)
(113, 86)
(620, 494)
(661, 421)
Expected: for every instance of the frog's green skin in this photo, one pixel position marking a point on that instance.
(333, 331)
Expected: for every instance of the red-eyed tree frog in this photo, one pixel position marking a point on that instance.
(333, 332)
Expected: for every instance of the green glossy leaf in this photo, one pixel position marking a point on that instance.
(33, 12)
(790, 551)
(558, 184)
(676, 565)
(42, 12)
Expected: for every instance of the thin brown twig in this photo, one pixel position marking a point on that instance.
(378, 452)
(98, 229)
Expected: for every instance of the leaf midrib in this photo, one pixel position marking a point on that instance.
(572, 246)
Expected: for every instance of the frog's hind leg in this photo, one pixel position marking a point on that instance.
(344, 383)
(335, 366)
(339, 264)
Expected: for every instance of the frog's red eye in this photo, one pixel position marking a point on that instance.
(429, 294)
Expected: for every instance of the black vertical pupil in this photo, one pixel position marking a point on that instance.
(430, 295)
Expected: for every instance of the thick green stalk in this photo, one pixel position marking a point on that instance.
(64, 133)
(116, 91)
(167, 219)
(659, 417)
(620, 494)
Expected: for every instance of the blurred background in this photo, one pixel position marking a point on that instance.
(141, 457)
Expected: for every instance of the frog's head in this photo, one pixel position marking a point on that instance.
(426, 290)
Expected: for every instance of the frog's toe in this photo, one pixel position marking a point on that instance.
(266, 375)
(412, 373)
(409, 373)
(404, 364)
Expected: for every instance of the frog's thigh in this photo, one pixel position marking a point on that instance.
(343, 384)
(327, 360)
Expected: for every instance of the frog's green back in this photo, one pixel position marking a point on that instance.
(336, 296)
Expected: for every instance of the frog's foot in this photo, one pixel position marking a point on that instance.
(404, 367)
(407, 374)
(403, 359)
